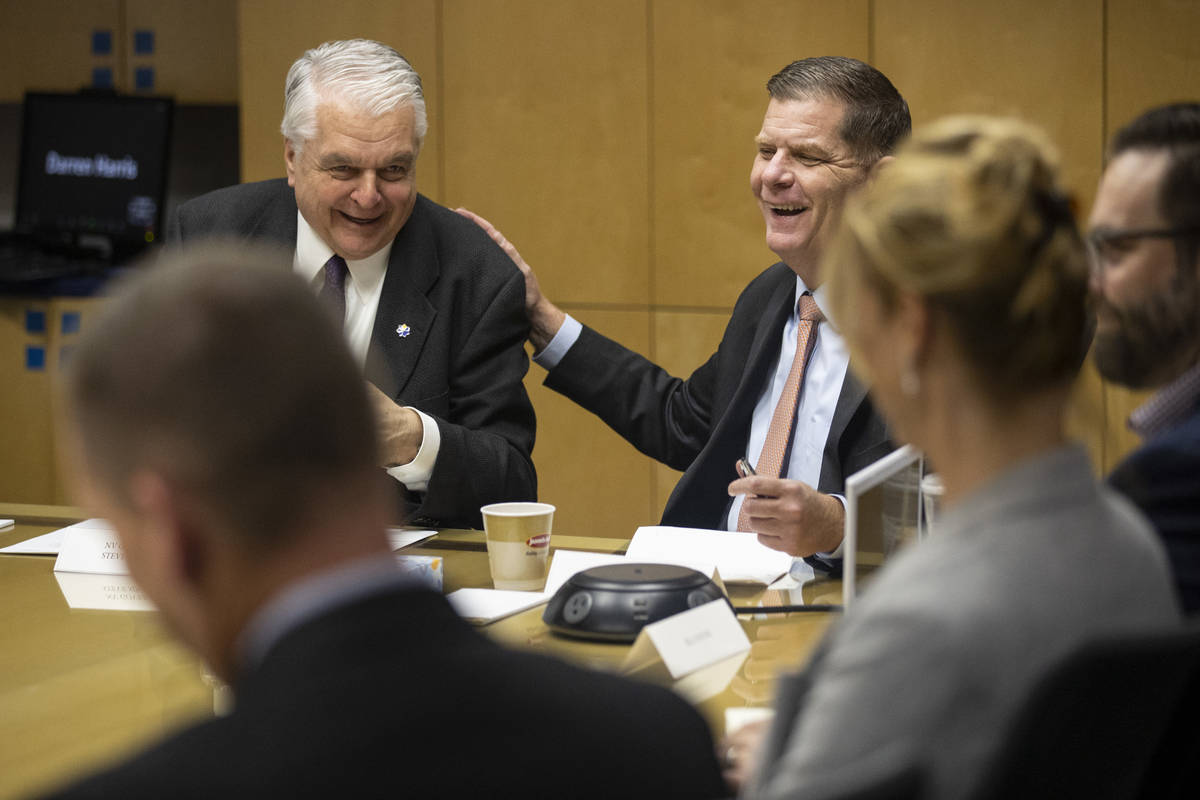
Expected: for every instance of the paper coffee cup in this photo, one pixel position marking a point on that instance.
(518, 543)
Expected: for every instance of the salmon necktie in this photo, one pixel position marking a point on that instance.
(779, 434)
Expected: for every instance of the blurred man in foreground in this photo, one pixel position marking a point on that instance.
(1145, 246)
(220, 424)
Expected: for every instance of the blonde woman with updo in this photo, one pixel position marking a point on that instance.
(959, 280)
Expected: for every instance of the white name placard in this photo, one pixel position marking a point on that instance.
(102, 592)
(690, 640)
(698, 637)
(94, 551)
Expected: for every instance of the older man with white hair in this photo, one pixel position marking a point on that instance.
(430, 306)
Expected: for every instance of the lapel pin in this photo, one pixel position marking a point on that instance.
(403, 330)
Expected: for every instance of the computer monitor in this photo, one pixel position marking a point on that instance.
(93, 165)
(882, 513)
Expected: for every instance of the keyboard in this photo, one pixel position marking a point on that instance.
(23, 260)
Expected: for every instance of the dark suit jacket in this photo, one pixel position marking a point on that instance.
(701, 425)
(1162, 478)
(394, 696)
(464, 360)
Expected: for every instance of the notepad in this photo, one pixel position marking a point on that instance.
(48, 544)
(739, 557)
(482, 606)
(566, 563)
(400, 538)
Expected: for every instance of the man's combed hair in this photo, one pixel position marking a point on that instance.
(217, 368)
(1176, 129)
(365, 75)
(1164, 127)
(877, 117)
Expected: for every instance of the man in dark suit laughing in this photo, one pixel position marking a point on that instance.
(778, 391)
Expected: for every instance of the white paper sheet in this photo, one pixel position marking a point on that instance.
(7, 523)
(738, 556)
(400, 538)
(489, 605)
(565, 563)
(739, 717)
(48, 544)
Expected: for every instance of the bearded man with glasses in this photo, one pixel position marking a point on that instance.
(1144, 238)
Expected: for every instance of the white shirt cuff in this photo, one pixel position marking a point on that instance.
(416, 473)
(568, 332)
(837, 551)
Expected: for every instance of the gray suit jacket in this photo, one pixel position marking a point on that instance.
(932, 663)
(463, 361)
(701, 425)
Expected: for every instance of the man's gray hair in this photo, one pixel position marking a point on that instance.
(366, 75)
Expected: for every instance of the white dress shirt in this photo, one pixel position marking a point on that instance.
(364, 285)
(823, 376)
(819, 395)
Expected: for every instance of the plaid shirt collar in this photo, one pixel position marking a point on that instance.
(1168, 406)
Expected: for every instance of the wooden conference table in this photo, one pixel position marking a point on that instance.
(79, 688)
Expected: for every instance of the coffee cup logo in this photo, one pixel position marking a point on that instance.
(518, 543)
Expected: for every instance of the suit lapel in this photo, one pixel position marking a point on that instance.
(405, 315)
(852, 395)
(277, 221)
(857, 436)
(764, 349)
(699, 499)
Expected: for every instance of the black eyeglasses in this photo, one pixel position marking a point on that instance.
(1106, 244)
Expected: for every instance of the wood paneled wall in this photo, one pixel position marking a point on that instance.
(33, 355)
(1153, 57)
(47, 45)
(612, 142)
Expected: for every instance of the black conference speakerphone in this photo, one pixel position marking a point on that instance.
(614, 602)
